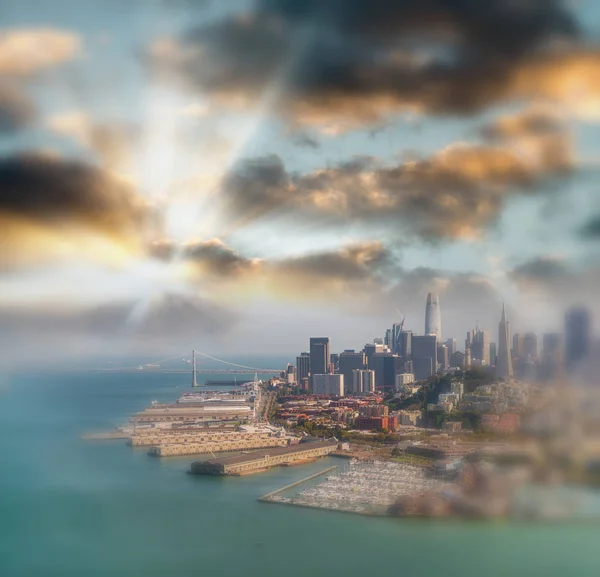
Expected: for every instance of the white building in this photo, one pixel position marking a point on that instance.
(404, 379)
(363, 381)
(458, 388)
(328, 385)
(449, 398)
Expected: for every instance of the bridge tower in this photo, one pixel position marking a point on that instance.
(194, 382)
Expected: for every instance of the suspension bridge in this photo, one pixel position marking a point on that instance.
(225, 368)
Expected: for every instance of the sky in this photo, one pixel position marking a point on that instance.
(237, 176)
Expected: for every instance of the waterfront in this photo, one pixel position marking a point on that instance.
(72, 507)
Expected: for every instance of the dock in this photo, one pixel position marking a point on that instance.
(264, 459)
(269, 496)
(105, 436)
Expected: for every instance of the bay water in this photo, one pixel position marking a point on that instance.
(76, 508)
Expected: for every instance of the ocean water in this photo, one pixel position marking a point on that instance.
(73, 508)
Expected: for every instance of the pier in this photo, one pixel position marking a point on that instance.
(269, 496)
(262, 460)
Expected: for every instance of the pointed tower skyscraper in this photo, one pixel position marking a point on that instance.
(433, 317)
(504, 369)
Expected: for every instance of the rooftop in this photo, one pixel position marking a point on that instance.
(261, 454)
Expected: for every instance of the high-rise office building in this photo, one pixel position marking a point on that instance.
(386, 367)
(578, 336)
(480, 346)
(403, 345)
(363, 381)
(349, 361)
(433, 316)
(552, 356)
(334, 359)
(371, 349)
(388, 341)
(396, 332)
(493, 354)
(517, 346)
(319, 355)
(424, 356)
(290, 374)
(302, 366)
(530, 346)
(328, 384)
(451, 346)
(504, 369)
(443, 358)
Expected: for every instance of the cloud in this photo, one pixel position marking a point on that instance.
(113, 142)
(557, 283)
(215, 257)
(543, 269)
(465, 298)
(24, 52)
(343, 64)
(47, 202)
(591, 229)
(351, 271)
(455, 193)
(306, 141)
(16, 109)
(166, 322)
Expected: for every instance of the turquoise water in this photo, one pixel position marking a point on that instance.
(74, 508)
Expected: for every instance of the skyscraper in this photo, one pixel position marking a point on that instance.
(350, 361)
(443, 358)
(424, 356)
(577, 336)
(530, 346)
(552, 356)
(480, 346)
(451, 346)
(319, 355)
(386, 367)
(371, 349)
(517, 348)
(504, 369)
(302, 367)
(433, 316)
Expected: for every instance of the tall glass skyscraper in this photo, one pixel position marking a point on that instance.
(433, 317)
(578, 334)
(319, 356)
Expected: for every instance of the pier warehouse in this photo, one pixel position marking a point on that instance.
(260, 460)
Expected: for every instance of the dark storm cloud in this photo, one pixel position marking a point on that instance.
(364, 59)
(16, 109)
(452, 194)
(46, 190)
(591, 229)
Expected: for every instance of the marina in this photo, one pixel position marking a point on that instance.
(368, 488)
